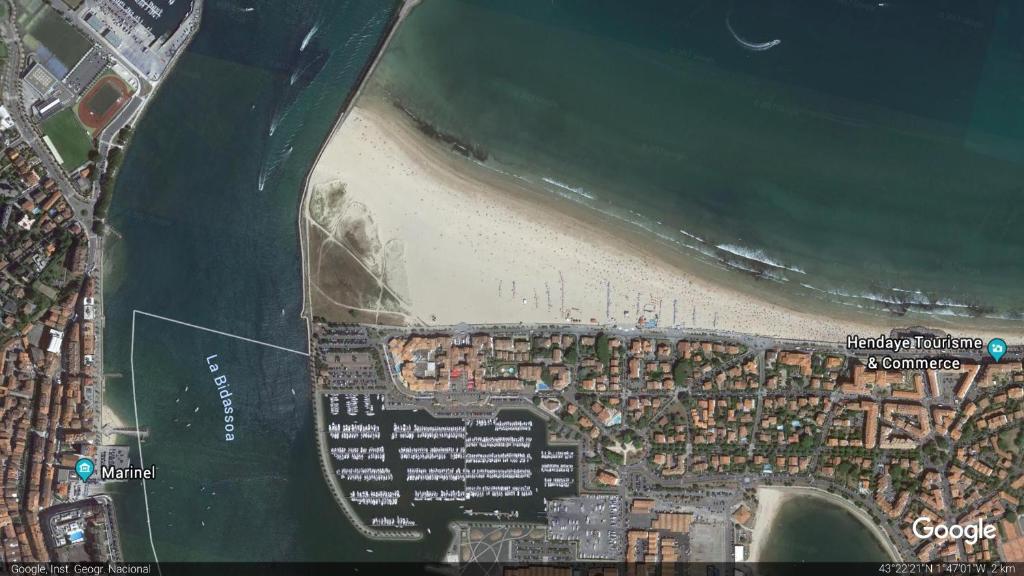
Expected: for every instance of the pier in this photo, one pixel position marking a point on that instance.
(141, 432)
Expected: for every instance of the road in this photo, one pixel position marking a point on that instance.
(639, 478)
(15, 105)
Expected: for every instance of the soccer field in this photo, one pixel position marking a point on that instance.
(60, 38)
(69, 137)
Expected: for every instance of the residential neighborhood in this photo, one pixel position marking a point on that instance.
(76, 75)
(657, 416)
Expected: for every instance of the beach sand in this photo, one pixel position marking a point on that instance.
(443, 241)
(110, 418)
(770, 500)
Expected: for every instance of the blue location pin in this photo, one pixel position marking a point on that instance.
(996, 348)
(84, 467)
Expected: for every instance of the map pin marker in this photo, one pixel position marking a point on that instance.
(84, 467)
(996, 348)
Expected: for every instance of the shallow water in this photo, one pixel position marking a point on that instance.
(869, 158)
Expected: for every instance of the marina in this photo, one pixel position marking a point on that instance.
(444, 469)
(661, 168)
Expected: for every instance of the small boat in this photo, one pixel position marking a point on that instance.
(370, 550)
(293, 391)
(196, 410)
(203, 523)
(428, 531)
(176, 400)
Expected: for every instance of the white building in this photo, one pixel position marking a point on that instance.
(6, 122)
(56, 338)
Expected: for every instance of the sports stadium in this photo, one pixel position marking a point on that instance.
(102, 102)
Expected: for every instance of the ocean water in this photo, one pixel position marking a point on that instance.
(835, 158)
(823, 532)
(204, 230)
(871, 159)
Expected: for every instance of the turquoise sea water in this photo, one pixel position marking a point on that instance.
(873, 158)
(810, 529)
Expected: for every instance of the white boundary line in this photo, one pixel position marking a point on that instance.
(135, 403)
(292, 350)
(138, 439)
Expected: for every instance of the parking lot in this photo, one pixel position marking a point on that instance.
(595, 521)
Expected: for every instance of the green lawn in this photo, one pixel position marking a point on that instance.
(69, 137)
(60, 38)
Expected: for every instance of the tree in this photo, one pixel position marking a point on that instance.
(602, 349)
(124, 134)
(682, 370)
(571, 355)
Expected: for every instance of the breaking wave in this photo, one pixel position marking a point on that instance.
(757, 256)
(564, 186)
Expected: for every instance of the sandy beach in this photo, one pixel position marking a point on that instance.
(110, 419)
(444, 241)
(770, 500)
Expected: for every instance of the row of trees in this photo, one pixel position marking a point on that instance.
(114, 158)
